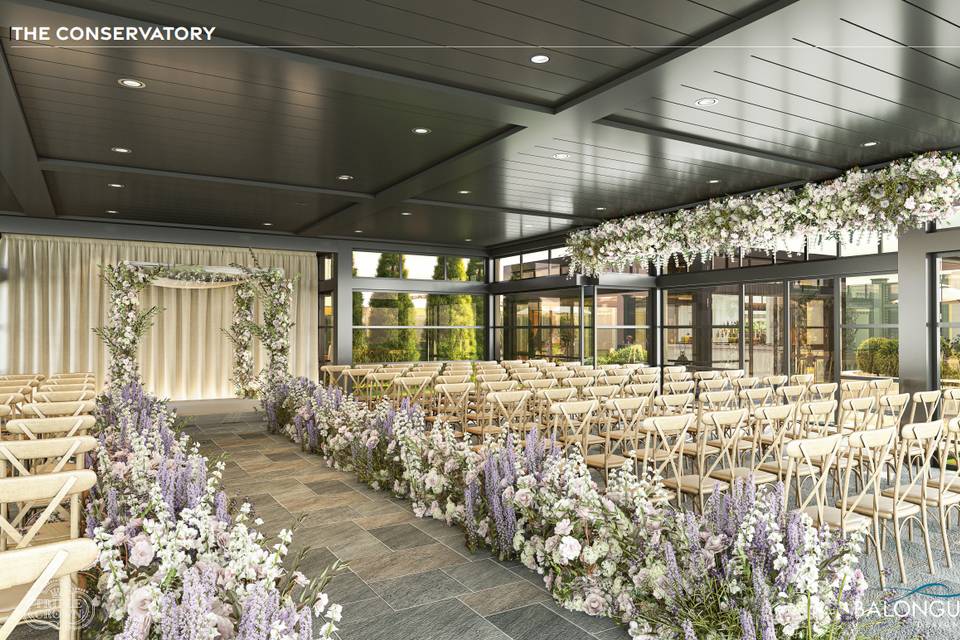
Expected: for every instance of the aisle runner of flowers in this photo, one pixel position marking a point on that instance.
(906, 194)
(176, 561)
(746, 569)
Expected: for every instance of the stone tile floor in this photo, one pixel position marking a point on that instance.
(406, 577)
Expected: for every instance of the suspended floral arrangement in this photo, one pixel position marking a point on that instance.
(906, 194)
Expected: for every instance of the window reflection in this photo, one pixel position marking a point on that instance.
(764, 327)
(812, 327)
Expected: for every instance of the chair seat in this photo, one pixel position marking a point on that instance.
(914, 496)
(885, 507)
(690, 449)
(831, 518)
(477, 430)
(604, 460)
(52, 532)
(742, 445)
(691, 484)
(591, 439)
(46, 603)
(648, 454)
(780, 467)
(737, 473)
(526, 426)
(617, 434)
(952, 482)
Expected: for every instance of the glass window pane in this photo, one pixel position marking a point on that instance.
(949, 291)
(891, 243)
(622, 309)
(419, 267)
(367, 264)
(678, 346)
(949, 357)
(764, 325)
(811, 329)
(621, 346)
(536, 264)
(542, 324)
(870, 352)
(326, 329)
(870, 299)
(387, 345)
(507, 268)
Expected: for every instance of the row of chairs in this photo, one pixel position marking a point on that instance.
(44, 443)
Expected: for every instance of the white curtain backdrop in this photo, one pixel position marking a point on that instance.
(55, 297)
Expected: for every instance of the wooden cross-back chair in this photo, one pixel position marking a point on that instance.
(8, 394)
(857, 414)
(641, 389)
(660, 451)
(379, 384)
(453, 378)
(645, 378)
(805, 379)
(853, 389)
(579, 383)
(714, 384)
(62, 396)
(40, 428)
(822, 391)
(700, 482)
(417, 388)
(571, 425)
(734, 442)
(925, 405)
(332, 373)
(80, 386)
(679, 376)
(45, 493)
(539, 383)
(683, 386)
(670, 404)
(31, 578)
(511, 410)
(451, 402)
(522, 376)
(891, 409)
(773, 428)
(354, 380)
(543, 399)
(624, 426)
(743, 383)
(33, 457)
(816, 419)
(56, 409)
(773, 381)
(791, 393)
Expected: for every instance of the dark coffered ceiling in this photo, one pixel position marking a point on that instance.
(257, 127)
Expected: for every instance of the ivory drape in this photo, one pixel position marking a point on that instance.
(54, 297)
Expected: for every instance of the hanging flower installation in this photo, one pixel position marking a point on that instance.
(127, 323)
(906, 193)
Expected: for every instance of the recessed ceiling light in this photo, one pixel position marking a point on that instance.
(121, 150)
(561, 156)
(871, 143)
(713, 181)
(131, 83)
(111, 211)
(421, 131)
(358, 230)
(540, 59)
(268, 224)
(115, 185)
(345, 176)
(464, 192)
(707, 102)
(468, 239)
(601, 208)
(405, 213)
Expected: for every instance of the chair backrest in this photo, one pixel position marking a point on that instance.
(12, 399)
(370, 366)
(602, 392)
(822, 391)
(539, 383)
(853, 388)
(526, 375)
(646, 378)
(57, 409)
(46, 491)
(805, 379)
(62, 396)
(17, 456)
(646, 371)
(892, 408)
(642, 389)
(679, 376)
(556, 394)
(686, 386)
(777, 422)
(678, 368)
(561, 374)
(867, 455)
(491, 377)
(579, 383)
(573, 420)
(918, 446)
(706, 375)
(791, 393)
(615, 380)
(811, 459)
(716, 400)
(733, 374)
(773, 381)
(628, 415)
(414, 387)
(29, 572)
(499, 385)
(714, 384)
(730, 429)
(951, 401)
(452, 378)
(739, 384)
(453, 398)
(859, 413)
(925, 405)
(662, 453)
(14, 389)
(755, 397)
(79, 386)
(814, 418)
(672, 404)
(35, 428)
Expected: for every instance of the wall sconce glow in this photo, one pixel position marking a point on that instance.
(421, 131)
(268, 224)
(540, 59)
(405, 213)
(131, 83)
(345, 177)
(601, 208)
(713, 181)
(463, 192)
(115, 185)
(707, 102)
(111, 211)
(468, 239)
(358, 230)
(871, 143)
(121, 150)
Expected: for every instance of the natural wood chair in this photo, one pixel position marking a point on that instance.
(62, 396)
(453, 378)
(40, 428)
(45, 493)
(926, 404)
(419, 389)
(645, 378)
(33, 457)
(57, 409)
(891, 409)
(791, 393)
(743, 383)
(543, 399)
(805, 379)
(641, 389)
(733, 438)
(451, 401)
(379, 384)
(713, 384)
(626, 416)
(773, 429)
(822, 391)
(332, 374)
(858, 414)
(701, 483)
(80, 386)
(680, 376)
(579, 383)
(572, 423)
(816, 419)
(657, 447)
(685, 386)
(28, 578)
(672, 404)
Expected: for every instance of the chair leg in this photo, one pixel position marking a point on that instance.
(944, 514)
(926, 538)
(879, 552)
(68, 629)
(899, 545)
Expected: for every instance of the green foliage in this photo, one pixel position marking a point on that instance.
(879, 356)
(627, 354)
(454, 311)
(396, 345)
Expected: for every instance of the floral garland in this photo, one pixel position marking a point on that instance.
(905, 194)
(127, 323)
(176, 560)
(743, 569)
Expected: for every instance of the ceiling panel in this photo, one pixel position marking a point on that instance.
(446, 225)
(478, 44)
(183, 201)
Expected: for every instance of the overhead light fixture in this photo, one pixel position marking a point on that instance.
(345, 176)
(111, 211)
(405, 213)
(871, 143)
(713, 181)
(468, 239)
(420, 131)
(464, 192)
(121, 150)
(358, 230)
(707, 102)
(115, 185)
(131, 83)
(540, 59)
(601, 208)
(268, 224)
(561, 156)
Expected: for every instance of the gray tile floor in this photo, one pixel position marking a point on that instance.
(406, 578)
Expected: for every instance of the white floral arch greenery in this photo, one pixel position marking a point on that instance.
(907, 193)
(127, 322)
